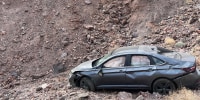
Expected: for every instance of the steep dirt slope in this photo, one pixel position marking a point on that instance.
(39, 38)
(147, 12)
(37, 34)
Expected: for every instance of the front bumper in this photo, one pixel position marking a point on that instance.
(74, 80)
(191, 80)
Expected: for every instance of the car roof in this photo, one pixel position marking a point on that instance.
(140, 49)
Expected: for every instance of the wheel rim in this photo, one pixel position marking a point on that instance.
(84, 85)
(164, 87)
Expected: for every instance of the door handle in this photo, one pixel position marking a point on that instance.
(121, 71)
(151, 69)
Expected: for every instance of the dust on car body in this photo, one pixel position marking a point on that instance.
(138, 67)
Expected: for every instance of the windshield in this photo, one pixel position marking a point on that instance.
(101, 60)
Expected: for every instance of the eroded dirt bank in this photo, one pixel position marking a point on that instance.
(41, 38)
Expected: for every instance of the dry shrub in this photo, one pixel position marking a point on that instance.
(189, 1)
(198, 61)
(183, 94)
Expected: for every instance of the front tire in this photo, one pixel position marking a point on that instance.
(87, 84)
(163, 86)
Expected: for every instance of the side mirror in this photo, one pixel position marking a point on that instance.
(100, 72)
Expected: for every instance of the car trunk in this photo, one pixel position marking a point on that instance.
(180, 56)
(186, 61)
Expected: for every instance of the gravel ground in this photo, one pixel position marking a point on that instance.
(41, 40)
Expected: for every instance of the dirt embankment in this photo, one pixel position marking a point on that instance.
(40, 37)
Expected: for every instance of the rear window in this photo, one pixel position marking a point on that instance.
(157, 61)
(138, 60)
(174, 55)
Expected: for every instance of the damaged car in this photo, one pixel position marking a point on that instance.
(138, 67)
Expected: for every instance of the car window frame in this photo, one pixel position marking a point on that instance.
(130, 57)
(125, 64)
(104, 58)
(151, 57)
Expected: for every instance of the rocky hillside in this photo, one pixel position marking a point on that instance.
(41, 40)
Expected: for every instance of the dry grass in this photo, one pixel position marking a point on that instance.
(183, 94)
(198, 61)
(189, 1)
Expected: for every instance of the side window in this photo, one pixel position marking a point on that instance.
(138, 60)
(158, 61)
(116, 62)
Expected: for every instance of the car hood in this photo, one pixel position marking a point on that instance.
(83, 66)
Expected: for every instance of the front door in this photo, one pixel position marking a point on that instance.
(113, 73)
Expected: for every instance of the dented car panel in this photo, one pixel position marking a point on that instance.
(190, 80)
(138, 68)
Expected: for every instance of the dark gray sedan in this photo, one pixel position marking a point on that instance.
(138, 67)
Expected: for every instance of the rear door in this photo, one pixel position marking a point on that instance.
(140, 71)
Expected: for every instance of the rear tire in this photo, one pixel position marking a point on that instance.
(163, 86)
(87, 84)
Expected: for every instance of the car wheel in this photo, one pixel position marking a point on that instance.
(87, 84)
(163, 86)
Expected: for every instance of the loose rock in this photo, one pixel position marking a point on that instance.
(169, 41)
(198, 40)
(37, 76)
(88, 2)
(63, 55)
(140, 97)
(180, 44)
(124, 96)
(42, 87)
(2, 48)
(45, 85)
(39, 89)
(88, 26)
(83, 96)
(192, 20)
(59, 68)
(63, 98)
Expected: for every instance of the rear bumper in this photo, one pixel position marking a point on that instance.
(191, 80)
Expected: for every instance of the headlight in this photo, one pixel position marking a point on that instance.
(70, 74)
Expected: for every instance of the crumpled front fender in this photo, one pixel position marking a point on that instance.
(74, 79)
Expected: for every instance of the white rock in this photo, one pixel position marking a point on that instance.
(45, 85)
(83, 95)
(88, 2)
(124, 96)
(88, 26)
(63, 55)
(197, 6)
(3, 3)
(140, 97)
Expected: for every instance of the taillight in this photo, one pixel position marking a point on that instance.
(190, 69)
